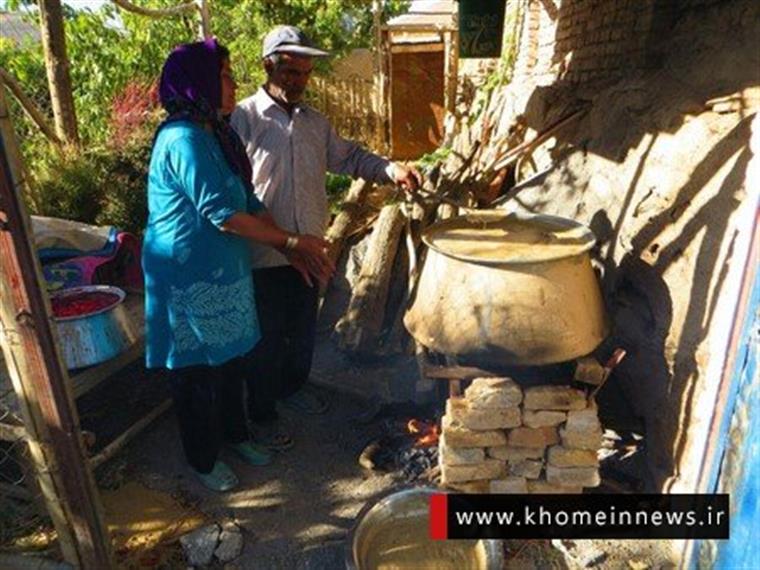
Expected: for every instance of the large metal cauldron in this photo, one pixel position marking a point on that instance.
(508, 289)
(392, 532)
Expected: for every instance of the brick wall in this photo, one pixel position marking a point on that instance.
(579, 41)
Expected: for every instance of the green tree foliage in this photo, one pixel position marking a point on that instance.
(335, 25)
(115, 55)
(110, 48)
(99, 185)
(105, 59)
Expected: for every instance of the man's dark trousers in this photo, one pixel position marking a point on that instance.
(287, 309)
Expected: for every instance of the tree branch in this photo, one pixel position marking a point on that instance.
(30, 108)
(173, 11)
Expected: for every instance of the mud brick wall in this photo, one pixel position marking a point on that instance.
(663, 169)
(499, 438)
(586, 40)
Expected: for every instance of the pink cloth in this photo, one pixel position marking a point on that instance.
(121, 268)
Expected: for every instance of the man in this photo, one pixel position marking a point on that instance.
(291, 147)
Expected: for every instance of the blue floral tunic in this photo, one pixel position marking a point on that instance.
(199, 303)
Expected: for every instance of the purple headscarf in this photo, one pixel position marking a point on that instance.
(191, 89)
(192, 74)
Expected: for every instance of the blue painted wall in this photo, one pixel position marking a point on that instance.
(740, 441)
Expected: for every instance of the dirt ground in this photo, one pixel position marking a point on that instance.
(296, 513)
(578, 554)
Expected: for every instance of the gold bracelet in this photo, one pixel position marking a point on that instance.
(291, 242)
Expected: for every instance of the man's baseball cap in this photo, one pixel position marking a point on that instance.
(289, 39)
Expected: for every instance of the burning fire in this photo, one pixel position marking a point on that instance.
(427, 432)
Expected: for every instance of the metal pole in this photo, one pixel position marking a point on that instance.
(40, 378)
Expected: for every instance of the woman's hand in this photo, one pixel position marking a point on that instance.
(308, 255)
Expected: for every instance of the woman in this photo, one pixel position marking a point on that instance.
(199, 305)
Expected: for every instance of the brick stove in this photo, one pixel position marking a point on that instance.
(524, 436)
(501, 438)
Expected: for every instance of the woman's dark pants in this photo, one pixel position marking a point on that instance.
(208, 402)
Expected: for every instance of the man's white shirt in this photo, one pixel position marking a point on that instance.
(290, 156)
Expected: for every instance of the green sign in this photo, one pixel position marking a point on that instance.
(481, 24)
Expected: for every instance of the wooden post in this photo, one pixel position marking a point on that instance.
(454, 64)
(379, 77)
(382, 84)
(205, 27)
(40, 378)
(449, 79)
(57, 66)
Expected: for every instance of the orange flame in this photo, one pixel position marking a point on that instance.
(428, 432)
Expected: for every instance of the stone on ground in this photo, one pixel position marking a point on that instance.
(199, 545)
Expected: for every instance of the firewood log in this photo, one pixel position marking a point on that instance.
(360, 328)
(352, 212)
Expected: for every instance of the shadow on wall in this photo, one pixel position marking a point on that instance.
(663, 364)
(664, 261)
(597, 44)
(677, 390)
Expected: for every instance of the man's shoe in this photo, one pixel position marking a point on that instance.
(220, 479)
(271, 437)
(251, 453)
(306, 402)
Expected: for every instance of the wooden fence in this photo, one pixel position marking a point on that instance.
(352, 106)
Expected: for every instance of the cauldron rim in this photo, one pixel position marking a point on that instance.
(587, 239)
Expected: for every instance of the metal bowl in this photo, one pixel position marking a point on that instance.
(392, 532)
(96, 337)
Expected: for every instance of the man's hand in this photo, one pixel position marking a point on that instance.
(407, 177)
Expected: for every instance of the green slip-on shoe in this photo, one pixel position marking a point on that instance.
(220, 479)
(251, 453)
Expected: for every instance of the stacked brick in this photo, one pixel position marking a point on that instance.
(499, 438)
(586, 40)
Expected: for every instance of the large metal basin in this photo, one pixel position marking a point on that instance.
(98, 336)
(392, 532)
(508, 289)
